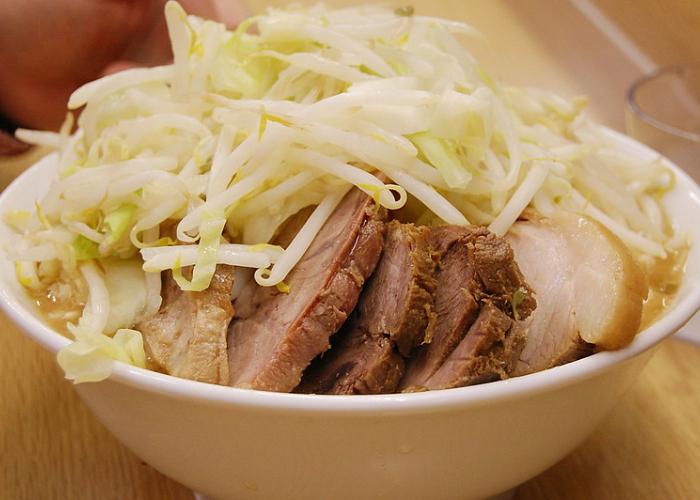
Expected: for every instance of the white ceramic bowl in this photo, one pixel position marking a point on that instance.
(472, 442)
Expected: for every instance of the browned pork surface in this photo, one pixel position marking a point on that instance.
(488, 351)
(397, 301)
(187, 336)
(357, 363)
(275, 335)
(478, 285)
(395, 308)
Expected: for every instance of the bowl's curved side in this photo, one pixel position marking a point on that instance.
(458, 452)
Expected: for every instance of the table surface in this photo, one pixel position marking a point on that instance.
(52, 447)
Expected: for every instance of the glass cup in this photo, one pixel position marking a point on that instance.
(663, 111)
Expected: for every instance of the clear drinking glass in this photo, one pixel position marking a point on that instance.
(663, 111)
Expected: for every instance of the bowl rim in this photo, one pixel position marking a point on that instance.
(472, 396)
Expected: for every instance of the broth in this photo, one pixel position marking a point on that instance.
(665, 278)
(61, 302)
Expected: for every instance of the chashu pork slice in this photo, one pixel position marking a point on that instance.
(276, 335)
(589, 289)
(397, 301)
(393, 314)
(187, 336)
(489, 351)
(477, 282)
(357, 363)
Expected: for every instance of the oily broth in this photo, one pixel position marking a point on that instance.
(664, 278)
(61, 302)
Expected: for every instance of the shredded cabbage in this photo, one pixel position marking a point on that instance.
(90, 357)
(126, 286)
(291, 110)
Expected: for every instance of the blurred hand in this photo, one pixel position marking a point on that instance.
(48, 48)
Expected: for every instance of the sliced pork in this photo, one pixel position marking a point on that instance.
(589, 289)
(276, 335)
(476, 275)
(357, 363)
(395, 309)
(397, 301)
(488, 352)
(187, 336)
